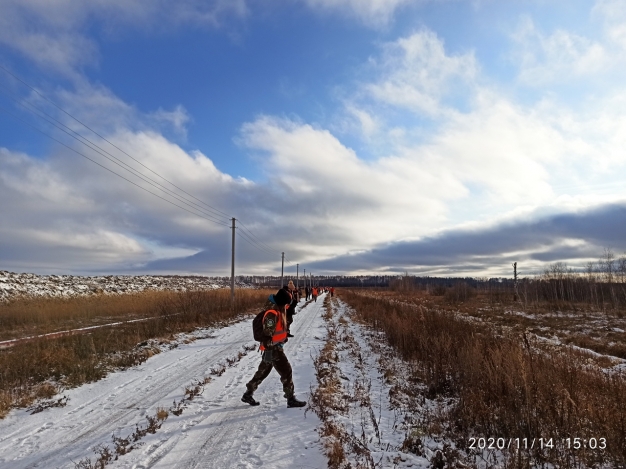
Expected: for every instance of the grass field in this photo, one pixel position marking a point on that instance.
(42, 367)
(496, 379)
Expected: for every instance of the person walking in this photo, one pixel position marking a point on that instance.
(273, 355)
(291, 309)
(314, 293)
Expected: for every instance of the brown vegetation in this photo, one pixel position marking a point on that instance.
(503, 384)
(30, 370)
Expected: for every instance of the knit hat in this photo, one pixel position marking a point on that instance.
(282, 297)
(290, 285)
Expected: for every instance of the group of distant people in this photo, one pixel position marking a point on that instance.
(277, 321)
(313, 292)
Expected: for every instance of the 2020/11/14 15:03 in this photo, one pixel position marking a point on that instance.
(541, 443)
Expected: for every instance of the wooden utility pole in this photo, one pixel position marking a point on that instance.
(232, 268)
(297, 276)
(514, 281)
(282, 269)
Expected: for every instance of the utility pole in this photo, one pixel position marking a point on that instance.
(232, 268)
(297, 276)
(514, 281)
(282, 269)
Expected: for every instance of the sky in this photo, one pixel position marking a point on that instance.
(432, 137)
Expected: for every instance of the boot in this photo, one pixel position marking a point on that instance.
(293, 402)
(248, 399)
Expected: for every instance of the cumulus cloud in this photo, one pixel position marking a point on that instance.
(65, 213)
(52, 33)
(613, 15)
(177, 118)
(546, 58)
(49, 222)
(573, 237)
(503, 152)
(418, 74)
(368, 200)
(372, 12)
(455, 151)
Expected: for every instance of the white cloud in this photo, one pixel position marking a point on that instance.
(68, 212)
(613, 14)
(367, 202)
(366, 123)
(504, 154)
(372, 12)
(101, 110)
(418, 75)
(52, 33)
(561, 55)
(177, 118)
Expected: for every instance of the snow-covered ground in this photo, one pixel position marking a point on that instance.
(20, 284)
(215, 430)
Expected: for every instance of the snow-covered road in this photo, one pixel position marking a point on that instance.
(216, 430)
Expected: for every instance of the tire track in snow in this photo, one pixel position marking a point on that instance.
(221, 431)
(117, 406)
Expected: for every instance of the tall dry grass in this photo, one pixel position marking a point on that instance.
(41, 367)
(33, 316)
(506, 386)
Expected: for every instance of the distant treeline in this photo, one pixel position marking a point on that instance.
(383, 281)
(602, 284)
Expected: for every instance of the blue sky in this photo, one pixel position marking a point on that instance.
(376, 133)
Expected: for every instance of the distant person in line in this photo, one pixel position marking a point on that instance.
(291, 309)
(275, 331)
(332, 291)
(314, 293)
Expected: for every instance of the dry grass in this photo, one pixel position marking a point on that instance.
(504, 384)
(576, 324)
(70, 361)
(34, 316)
(326, 399)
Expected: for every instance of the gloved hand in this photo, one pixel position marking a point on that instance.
(267, 356)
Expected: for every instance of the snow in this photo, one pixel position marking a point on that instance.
(215, 430)
(370, 419)
(14, 285)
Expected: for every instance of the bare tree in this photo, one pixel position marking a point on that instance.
(591, 268)
(607, 263)
(621, 267)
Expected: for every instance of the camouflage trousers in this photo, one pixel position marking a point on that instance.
(282, 366)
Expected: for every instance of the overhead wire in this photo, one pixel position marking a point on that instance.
(245, 233)
(97, 149)
(105, 139)
(108, 169)
(253, 242)
(245, 228)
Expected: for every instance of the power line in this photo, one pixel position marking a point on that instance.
(253, 243)
(83, 140)
(245, 233)
(108, 169)
(245, 228)
(106, 140)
